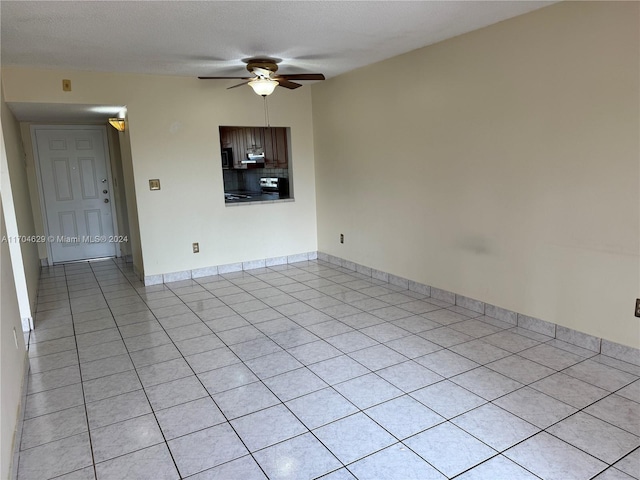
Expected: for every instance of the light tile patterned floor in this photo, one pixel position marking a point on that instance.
(308, 371)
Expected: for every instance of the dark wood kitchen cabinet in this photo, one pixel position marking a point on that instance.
(269, 155)
(275, 147)
(225, 138)
(272, 139)
(282, 149)
(255, 137)
(238, 143)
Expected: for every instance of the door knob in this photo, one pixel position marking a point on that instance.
(104, 191)
(106, 200)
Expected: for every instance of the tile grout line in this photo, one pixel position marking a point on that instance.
(260, 380)
(210, 396)
(359, 410)
(84, 400)
(286, 406)
(135, 369)
(324, 339)
(374, 339)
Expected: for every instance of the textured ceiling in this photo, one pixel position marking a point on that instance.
(194, 38)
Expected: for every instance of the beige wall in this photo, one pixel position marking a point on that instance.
(119, 196)
(173, 133)
(19, 175)
(12, 359)
(502, 165)
(134, 246)
(12, 348)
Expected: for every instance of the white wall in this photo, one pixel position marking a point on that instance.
(173, 132)
(502, 165)
(12, 359)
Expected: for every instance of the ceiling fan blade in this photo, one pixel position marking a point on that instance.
(240, 84)
(303, 76)
(286, 83)
(225, 78)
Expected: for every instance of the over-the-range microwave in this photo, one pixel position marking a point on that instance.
(227, 158)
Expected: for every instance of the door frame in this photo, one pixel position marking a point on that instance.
(36, 160)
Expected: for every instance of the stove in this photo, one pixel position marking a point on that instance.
(269, 184)
(279, 185)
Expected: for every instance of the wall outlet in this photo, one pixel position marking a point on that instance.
(637, 307)
(342, 238)
(196, 247)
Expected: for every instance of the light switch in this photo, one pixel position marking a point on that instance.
(66, 85)
(154, 184)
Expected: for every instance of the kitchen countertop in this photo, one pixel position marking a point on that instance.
(234, 197)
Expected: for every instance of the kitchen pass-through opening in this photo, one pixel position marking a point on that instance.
(256, 164)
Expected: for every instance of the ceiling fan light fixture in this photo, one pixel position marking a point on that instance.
(263, 86)
(117, 123)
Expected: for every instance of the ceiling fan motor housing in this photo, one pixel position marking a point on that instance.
(264, 69)
(262, 63)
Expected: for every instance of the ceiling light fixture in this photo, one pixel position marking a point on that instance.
(263, 86)
(117, 123)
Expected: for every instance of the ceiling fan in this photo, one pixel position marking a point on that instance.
(265, 80)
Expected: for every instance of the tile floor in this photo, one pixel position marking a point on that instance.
(308, 371)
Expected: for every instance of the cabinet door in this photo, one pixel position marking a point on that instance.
(269, 149)
(258, 136)
(225, 138)
(282, 150)
(249, 137)
(239, 148)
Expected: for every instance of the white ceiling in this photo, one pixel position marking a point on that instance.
(210, 38)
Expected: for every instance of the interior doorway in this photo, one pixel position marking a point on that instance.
(75, 183)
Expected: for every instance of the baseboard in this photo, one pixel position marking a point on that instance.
(228, 268)
(537, 325)
(564, 334)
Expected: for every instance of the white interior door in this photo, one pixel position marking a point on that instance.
(76, 192)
